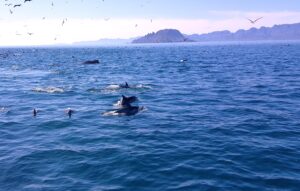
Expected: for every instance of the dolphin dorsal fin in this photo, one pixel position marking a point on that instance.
(126, 85)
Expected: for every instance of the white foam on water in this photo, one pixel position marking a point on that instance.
(111, 113)
(113, 87)
(23, 73)
(49, 90)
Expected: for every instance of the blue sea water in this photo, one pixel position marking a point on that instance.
(226, 119)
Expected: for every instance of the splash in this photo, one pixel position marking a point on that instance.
(49, 90)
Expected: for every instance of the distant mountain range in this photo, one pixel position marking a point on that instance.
(163, 36)
(277, 32)
(104, 42)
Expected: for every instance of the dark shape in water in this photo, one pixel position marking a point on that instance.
(183, 60)
(92, 62)
(126, 108)
(69, 112)
(126, 101)
(34, 112)
(124, 85)
(128, 111)
(124, 111)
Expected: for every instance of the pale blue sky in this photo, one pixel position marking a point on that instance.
(165, 9)
(95, 19)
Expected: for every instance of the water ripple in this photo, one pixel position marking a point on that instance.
(226, 119)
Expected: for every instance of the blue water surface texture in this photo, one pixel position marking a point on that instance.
(217, 117)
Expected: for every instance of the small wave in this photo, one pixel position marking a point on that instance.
(111, 113)
(4, 55)
(142, 86)
(93, 90)
(49, 90)
(115, 87)
(15, 71)
(17, 54)
(118, 104)
(3, 110)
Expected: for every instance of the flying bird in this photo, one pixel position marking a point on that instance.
(17, 5)
(64, 21)
(254, 21)
(27, 1)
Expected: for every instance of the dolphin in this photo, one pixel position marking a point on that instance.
(92, 62)
(69, 112)
(124, 85)
(126, 101)
(34, 112)
(125, 111)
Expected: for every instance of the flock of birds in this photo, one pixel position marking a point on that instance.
(12, 6)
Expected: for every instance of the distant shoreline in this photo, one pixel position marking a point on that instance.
(216, 43)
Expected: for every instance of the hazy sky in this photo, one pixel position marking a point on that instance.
(95, 19)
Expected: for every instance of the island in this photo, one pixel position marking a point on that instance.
(283, 32)
(163, 36)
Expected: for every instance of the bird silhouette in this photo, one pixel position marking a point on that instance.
(17, 5)
(64, 21)
(254, 21)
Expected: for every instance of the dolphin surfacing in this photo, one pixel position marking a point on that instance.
(91, 62)
(126, 111)
(125, 107)
(126, 101)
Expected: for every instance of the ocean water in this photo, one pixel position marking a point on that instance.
(226, 119)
